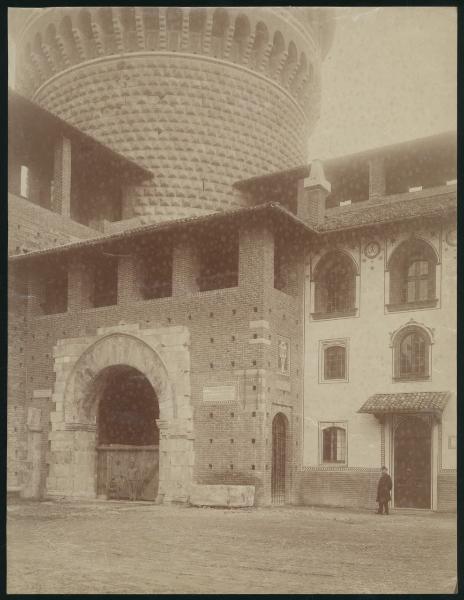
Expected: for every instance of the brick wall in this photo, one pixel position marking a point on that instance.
(17, 370)
(224, 352)
(350, 488)
(447, 499)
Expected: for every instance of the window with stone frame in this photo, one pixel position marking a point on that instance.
(413, 275)
(412, 355)
(335, 362)
(333, 443)
(335, 285)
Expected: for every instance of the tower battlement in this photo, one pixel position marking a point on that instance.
(202, 97)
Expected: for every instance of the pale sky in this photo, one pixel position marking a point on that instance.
(390, 76)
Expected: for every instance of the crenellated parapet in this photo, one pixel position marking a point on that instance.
(275, 42)
(203, 97)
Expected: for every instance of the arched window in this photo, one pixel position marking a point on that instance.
(335, 285)
(278, 48)
(412, 275)
(240, 38)
(333, 444)
(197, 22)
(84, 23)
(151, 24)
(412, 354)
(259, 45)
(66, 32)
(290, 63)
(128, 23)
(174, 27)
(335, 362)
(218, 32)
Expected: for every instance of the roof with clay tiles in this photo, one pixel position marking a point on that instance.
(406, 402)
(370, 213)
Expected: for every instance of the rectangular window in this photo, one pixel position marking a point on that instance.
(333, 360)
(333, 442)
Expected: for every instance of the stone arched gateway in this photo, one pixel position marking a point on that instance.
(163, 357)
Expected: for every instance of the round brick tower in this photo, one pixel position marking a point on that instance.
(202, 97)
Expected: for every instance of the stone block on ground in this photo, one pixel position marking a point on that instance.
(236, 496)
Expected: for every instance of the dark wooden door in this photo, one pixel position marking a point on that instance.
(112, 469)
(279, 458)
(412, 457)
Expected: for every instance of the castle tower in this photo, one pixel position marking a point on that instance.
(202, 97)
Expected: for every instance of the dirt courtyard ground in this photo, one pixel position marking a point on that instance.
(118, 547)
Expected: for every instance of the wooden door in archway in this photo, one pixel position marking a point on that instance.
(279, 458)
(128, 437)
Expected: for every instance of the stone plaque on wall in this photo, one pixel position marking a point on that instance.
(219, 393)
(34, 418)
(283, 356)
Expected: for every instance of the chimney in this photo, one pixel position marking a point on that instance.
(312, 194)
(376, 178)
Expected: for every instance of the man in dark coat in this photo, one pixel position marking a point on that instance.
(384, 491)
